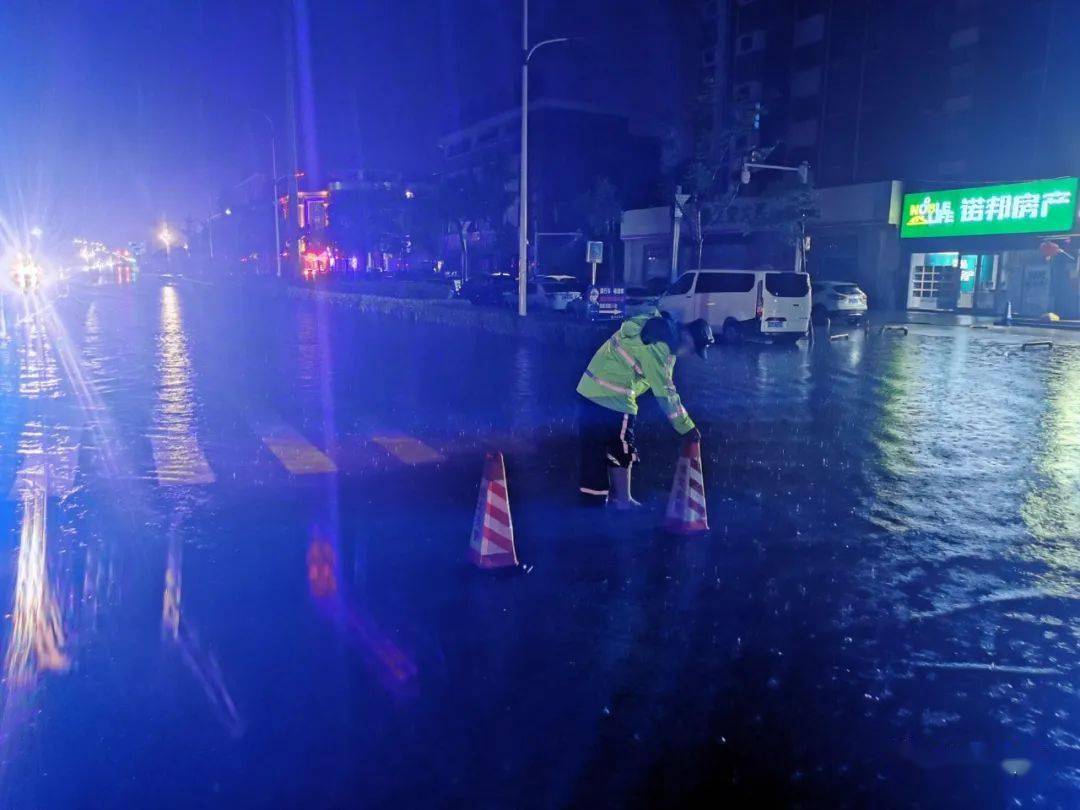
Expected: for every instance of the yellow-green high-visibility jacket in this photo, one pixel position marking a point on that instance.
(624, 368)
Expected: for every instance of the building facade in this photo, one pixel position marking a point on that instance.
(572, 147)
(951, 91)
(993, 248)
(854, 237)
(940, 94)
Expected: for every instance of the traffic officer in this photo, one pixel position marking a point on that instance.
(639, 357)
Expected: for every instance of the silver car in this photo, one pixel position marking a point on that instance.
(838, 299)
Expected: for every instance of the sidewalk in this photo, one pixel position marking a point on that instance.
(975, 321)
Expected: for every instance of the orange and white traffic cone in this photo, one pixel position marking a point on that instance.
(492, 543)
(686, 512)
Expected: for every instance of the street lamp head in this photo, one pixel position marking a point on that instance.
(36, 232)
(228, 212)
(165, 235)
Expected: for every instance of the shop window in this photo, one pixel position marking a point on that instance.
(987, 279)
(936, 279)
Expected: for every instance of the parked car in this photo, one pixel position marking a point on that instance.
(640, 300)
(552, 293)
(741, 303)
(558, 291)
(489, 289)
(838, 299)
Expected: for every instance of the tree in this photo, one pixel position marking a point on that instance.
(708, 178)
(708, 202)
(600, 208)
(471, 201)
(784, 210)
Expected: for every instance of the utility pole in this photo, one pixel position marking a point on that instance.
(210, 224)
(523, 182)
(277, 216)
(273, 185)
(676, 231)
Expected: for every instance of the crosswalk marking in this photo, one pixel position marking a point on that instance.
(408, 449)
(179, 461)
(297, 454)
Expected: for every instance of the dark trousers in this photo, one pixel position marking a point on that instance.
(607, 440)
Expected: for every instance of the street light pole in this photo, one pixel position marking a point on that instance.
(210, 225)
(277, 217)
(210, 228)
(523, 183)
(273, 184)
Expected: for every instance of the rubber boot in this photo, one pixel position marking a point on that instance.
(620, 489)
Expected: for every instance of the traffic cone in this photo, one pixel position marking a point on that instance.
(492, 543)
(686, 512)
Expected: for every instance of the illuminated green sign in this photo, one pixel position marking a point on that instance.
(1039, 206)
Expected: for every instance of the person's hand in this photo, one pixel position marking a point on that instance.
(693, 436)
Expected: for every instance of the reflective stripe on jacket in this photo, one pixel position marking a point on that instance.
(624, 368)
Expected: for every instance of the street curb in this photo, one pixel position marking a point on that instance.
(550, 329)
(1068, 326)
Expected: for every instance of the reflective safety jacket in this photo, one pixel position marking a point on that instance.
(624, 368)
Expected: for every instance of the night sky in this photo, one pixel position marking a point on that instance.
(121, 113)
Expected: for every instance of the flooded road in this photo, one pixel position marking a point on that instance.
(234, 571)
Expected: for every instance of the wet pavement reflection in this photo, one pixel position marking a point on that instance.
(237, 524)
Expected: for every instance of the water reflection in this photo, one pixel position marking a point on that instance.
(323, 555)
(177, 631)
(177, 456)
(37, 640)
(1051, 508)
(389, 663)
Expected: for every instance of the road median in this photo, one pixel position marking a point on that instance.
(556, 329)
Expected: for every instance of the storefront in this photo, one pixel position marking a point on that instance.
(853, 238)
(980, 249)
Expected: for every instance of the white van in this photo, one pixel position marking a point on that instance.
(737, 303)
